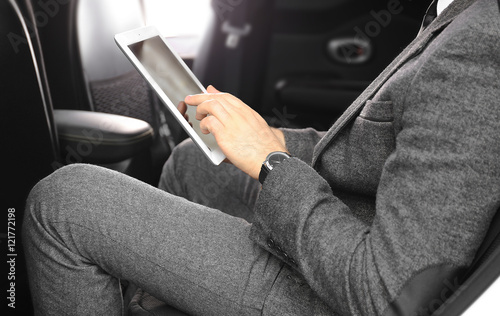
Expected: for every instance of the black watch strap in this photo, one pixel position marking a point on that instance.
(263, 174)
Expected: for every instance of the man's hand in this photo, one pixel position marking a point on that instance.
(242, 134)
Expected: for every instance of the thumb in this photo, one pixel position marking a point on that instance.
(211, 89)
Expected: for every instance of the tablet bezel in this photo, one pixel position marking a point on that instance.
(124, 40)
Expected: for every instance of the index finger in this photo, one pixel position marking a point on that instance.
(197, 99)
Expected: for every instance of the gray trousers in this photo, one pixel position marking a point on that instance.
(86, 227)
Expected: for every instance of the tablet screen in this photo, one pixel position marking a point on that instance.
(171, 76)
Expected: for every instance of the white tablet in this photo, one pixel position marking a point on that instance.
(171, 79)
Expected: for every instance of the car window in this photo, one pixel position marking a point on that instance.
(183, 22)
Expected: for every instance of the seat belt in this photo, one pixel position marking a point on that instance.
(237, 26)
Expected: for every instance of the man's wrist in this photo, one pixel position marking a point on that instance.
(275, 146)
(280, 135)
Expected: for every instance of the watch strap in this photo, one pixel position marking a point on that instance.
(263, 174)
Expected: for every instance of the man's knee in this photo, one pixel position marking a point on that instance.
(64, 184)
(64, 180)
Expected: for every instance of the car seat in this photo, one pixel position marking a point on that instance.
(87, 71)
(34, 132)
(484, 270)
(78, 42)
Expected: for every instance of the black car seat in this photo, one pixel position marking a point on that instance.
(79, 50)
(113, 85)
(32, 136)
(484, 270)
(87, 71)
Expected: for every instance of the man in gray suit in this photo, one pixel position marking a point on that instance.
(377, 216)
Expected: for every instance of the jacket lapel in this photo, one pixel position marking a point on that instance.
(414, 48)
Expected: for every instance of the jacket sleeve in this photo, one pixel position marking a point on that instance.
(301, 142)
(437, 194)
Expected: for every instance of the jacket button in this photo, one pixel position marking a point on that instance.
(270, 243)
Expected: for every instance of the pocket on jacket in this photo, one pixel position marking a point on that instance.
(354, 161)
(378, 111)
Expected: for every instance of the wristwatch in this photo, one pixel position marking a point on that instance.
(272, 160)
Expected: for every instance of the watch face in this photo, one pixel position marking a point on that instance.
(271, 162)
(275, 159)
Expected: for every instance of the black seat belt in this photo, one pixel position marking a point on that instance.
(490, 243)
(482, 273)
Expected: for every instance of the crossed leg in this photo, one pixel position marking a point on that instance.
(87, 227)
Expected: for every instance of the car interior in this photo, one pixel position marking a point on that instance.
(71, 96)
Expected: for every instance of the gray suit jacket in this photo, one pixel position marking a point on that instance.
(380, 214)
